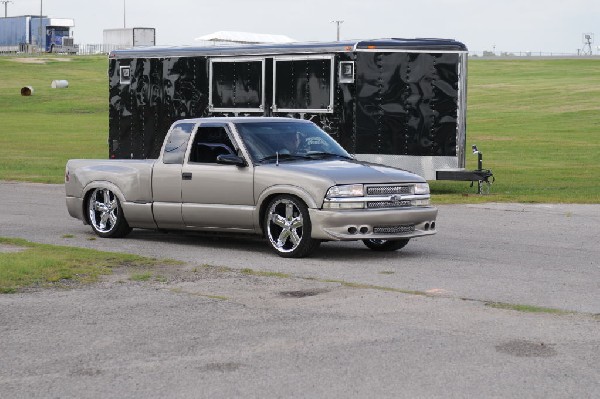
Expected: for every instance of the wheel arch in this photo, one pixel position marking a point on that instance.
(267, 196)
(87, 190)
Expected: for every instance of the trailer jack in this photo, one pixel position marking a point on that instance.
(484, 174)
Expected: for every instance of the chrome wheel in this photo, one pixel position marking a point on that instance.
(287, 227)
(105, 215)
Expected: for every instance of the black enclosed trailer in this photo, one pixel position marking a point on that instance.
(400, 102)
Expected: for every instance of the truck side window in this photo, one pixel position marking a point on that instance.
(209, 143)
(177, 143)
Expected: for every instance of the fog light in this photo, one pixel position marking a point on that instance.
(420, 202)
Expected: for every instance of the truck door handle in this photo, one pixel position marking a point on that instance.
(186, 176)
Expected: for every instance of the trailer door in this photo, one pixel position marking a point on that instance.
(407, 103)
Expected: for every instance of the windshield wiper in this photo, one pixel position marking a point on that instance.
(321, 155)
(282, 157)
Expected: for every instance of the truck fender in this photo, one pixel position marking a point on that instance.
(267, 194)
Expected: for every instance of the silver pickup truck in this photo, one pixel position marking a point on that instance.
(283, 178)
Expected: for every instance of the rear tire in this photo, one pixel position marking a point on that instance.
(287, 227)
(106, 215)
(385, 245)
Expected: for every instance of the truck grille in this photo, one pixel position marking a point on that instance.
(389, 190)
(393, 229)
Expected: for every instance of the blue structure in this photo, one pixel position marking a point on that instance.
(48, 34)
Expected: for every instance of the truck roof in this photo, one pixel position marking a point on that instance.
(244, 119)
(389, 44)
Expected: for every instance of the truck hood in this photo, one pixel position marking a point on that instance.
(341, 171)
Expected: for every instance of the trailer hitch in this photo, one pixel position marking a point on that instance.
(483, 177)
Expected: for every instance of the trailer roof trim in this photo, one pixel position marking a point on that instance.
(391, 44)
(244, 37)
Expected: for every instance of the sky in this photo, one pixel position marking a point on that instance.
(547, 26)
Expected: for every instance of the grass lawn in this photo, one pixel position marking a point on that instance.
(41, 132)
(41, 265)
(537, 122)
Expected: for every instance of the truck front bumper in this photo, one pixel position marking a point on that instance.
(381, 224)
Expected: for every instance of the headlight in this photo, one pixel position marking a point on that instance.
(421, 188)
(343, 205)
(351, 190)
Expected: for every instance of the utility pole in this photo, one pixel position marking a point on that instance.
(40, 28)
(124, 25)
(338, 22)
(5, 2)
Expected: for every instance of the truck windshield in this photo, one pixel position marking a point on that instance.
(288, 141)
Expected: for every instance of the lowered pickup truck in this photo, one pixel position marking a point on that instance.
(280, 177)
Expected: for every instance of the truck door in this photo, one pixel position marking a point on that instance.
(167, 177)
(216, 195)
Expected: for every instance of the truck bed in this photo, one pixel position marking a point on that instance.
(133, 177)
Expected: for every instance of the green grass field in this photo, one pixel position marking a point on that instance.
(42, 265)
(536, 121)
(39, 133)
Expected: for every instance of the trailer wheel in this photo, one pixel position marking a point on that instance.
(106, 215)
(385, 245)
(287, 227)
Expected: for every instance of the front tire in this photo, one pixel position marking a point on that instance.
(385, 245)
(106, 215)
(287, 227)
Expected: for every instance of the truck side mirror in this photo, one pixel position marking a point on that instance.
(230, 159)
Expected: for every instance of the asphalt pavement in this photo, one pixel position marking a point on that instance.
(347, 322)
